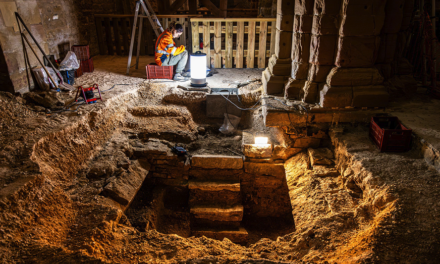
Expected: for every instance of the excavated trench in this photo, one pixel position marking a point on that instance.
(109, 189)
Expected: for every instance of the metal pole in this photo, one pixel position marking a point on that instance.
(26, 60)
(434, 43)
(133, 34)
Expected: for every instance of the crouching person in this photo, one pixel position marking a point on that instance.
(167, 54)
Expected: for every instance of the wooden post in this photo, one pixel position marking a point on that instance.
(240, 45)
(223, 8)
(262, 45)
(124, 31)
(272, 38)
(228, 45)
(207, 43)
(99, 32)
(108, 36)
(117, 36)
(217, 44)
(251, 45)
(195, 36)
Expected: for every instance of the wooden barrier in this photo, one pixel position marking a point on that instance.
(114, 33)
(229, 42)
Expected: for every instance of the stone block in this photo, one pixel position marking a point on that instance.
(357, 51)
(286, 7)
(328, 7)
(217, 162)
(323, 171)
(285, 22)
(301, 47)
(361, 25)
(299, 70)
(273, 169)
(284, 153)
(283, 44)
(32, 11)
(363, 7)
(335, 96)
(325, 25)
(370, 96)
(257, 151)
(280, 67)
(304, 7)
(273, 85)
(303, 23)
(310, 92)
(215, 174)
(387, 49)
(293, 89)
(322, 49)
(354, 77)
(234, 213)
(318, 73)
(307, 142)
(321, 156)
(265, 181)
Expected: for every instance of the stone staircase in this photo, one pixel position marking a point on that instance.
(216, 205)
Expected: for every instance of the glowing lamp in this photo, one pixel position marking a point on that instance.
(198, 69)
(261, 140)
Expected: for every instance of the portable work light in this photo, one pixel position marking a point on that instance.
(261, 139)
(198, 69)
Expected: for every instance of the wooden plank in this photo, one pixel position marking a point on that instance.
(195, 36)
(262, 45)
(272, 38)
(251, 45)
(117, 35)
(234, 29)
(201, 19)
(217, 45)
(143, 16)
(240, 45)
(108, 36)
(245, 52)
(228, 45)
(207, 43)
(100, 33)
(124, 32)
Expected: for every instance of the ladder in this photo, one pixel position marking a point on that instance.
(154, 22)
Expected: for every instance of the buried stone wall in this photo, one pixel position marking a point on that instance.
(342, 52)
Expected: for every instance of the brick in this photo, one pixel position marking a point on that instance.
(217, 162)
(370, 96)
(285, 22)
(318, 73)
(336, 96)
(257, 151)
(283, 44)
(354, 77)
(322, 49)
(301, 47)
(274, 169)
(303, 23)
(293, 88)
(299, 70)
(325, 25)
(357, 51)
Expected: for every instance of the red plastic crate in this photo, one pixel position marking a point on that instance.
(87, 65)
(389, 134)
(78, 72)
(81, 52)
(159, 72)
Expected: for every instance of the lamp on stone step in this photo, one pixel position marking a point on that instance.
(261, 139)
(198, 69)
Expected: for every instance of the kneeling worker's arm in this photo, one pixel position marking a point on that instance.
(177, 50)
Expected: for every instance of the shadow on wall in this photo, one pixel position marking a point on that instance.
(6, 82)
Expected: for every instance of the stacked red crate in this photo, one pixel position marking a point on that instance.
(86, 62)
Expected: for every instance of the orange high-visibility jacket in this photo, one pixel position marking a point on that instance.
(166, 46)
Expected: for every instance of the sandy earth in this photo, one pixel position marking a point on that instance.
(372, 208)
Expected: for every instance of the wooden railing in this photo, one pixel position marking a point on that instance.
(235, 42)
(114, 33)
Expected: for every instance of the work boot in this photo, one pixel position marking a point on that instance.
(179, 78)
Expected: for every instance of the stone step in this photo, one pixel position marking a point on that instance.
(221, 193)
(238, 235)
(234, 213)
(208, 224)
(215, 174)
